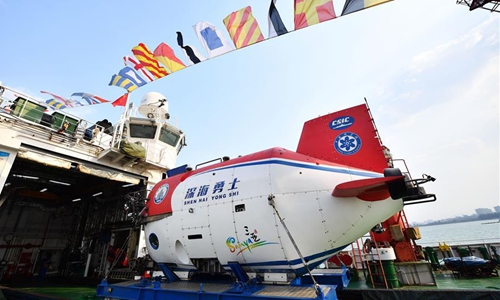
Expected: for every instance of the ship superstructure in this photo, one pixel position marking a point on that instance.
(63, 181)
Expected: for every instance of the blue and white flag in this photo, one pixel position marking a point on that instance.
(131, 75)
(122, 82)
(212, 39)
(276, 26)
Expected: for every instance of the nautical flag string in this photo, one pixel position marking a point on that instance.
(211, 39)
(167, 57)
(64, 101)
(351, 6)
(134, 63)
(55, 104)
(142, 53)
(121, 101)
(276, 26)
(310, 12)
(130, 74)
(193, 55)
(122, 82)
(89, 99)
(243, 28)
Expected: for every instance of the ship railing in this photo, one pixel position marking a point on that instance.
(458, 243)
(33, 116)
(483, 248)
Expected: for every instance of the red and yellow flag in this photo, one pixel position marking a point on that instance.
(243, 27)
(310, 12)
(142, 53)
(167, 57)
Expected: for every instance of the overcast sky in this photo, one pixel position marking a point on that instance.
(429, 69)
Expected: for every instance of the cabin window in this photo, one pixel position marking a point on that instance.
(195, 237)
(239, 208)
(142, 131)
(153, 241)
(168, 137)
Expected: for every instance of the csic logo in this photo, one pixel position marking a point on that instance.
(341, 122)
(161, 193)
(347, 143)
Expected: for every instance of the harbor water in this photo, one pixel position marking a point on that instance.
(475, 232)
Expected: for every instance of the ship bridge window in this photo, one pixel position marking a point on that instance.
(169, 137)
(142, 131)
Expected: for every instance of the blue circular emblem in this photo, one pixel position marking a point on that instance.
(341, 123)
(347, 143)
(161, 193)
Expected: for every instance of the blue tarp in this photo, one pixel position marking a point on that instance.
(467, 261)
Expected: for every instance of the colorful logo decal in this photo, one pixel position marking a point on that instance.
(341, 122)
(347, 143)
(250, 243)
(161, 193)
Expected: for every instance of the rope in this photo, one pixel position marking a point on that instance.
(270, 199)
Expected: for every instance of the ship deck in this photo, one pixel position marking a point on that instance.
(444, 281)
(448, 287)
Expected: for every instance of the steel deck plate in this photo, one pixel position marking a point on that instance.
(289, 291)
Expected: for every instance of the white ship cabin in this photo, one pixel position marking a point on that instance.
(151, 138)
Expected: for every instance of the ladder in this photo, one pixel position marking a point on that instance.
(373, 267)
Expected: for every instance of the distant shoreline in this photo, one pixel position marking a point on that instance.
(493, 216)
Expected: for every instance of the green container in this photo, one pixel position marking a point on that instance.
(484, 252)
(28, 110)
(462, 252)
(389, 272)
(431, 256)
(60, 119)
